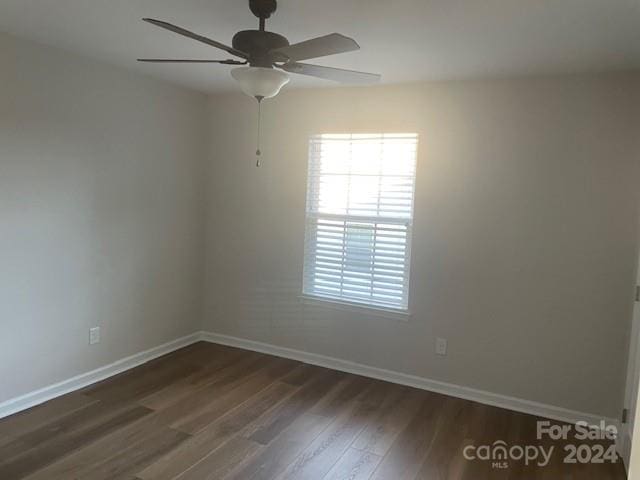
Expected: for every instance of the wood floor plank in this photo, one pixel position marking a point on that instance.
(221, 462)
(12, 447)
(214, 435)
(48, 452)
(393, 417)
(33, 418)
(136, 387)
(378, 393)
(449, 438)
(227, 380)
(4, 439)
(301, 374)
(354, 465)
(349, 388)
(248, 416)
(308, 395)
(82, 460)
(151, 369)
(488, 425)
(83, 418)
(283, 449)
(136, 457)
(206, 353)
(516, 434)
(176, 391)
(556, 468)
(324, 452)
(218, 407)
(412, 444)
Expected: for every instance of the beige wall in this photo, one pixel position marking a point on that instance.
(524, 240)
(101, 208)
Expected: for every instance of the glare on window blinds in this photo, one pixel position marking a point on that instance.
(359, 218)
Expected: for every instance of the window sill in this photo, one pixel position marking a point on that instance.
(355, 307)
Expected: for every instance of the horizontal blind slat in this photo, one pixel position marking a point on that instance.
(359, 215)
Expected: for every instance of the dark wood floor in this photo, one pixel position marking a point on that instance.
(213, 412)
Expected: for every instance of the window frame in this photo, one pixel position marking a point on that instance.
(403, 311)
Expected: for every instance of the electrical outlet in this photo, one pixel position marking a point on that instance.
(441, 346)
(94, 335)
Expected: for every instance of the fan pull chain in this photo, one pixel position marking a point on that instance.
(258, 152)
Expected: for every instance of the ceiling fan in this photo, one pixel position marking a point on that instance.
(264, 55)
(267, 53)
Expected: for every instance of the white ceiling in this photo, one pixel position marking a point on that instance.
(405, 40)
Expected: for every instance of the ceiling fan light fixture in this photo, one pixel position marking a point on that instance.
(267, 54)
(259, 82)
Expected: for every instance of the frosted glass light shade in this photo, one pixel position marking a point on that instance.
(260, 82)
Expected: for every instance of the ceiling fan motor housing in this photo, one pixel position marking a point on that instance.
(258, 44)
(268, 50)
(263, 8)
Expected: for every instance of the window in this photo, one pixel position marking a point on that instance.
(359, 218)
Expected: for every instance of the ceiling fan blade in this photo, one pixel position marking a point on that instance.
(329, 73)
(169, 60)
(317, 47)
(195, 36)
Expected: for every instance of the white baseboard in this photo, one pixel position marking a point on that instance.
(31, 399)
(42, 395)
(488, 398)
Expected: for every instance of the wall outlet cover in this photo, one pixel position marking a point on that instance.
(94, 335)
(441, 346)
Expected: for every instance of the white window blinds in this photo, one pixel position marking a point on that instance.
(359, 218)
